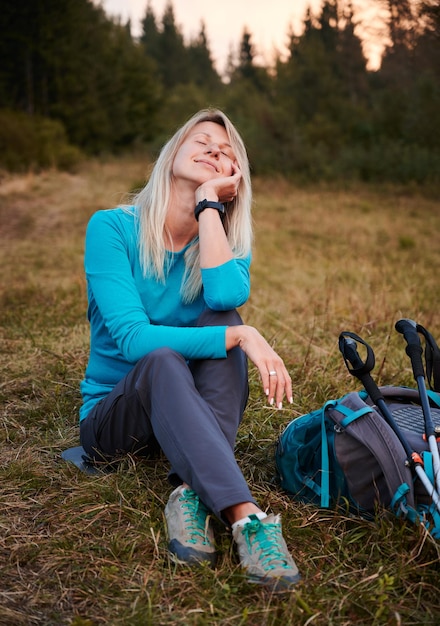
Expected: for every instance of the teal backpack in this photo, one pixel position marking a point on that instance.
(346, 454)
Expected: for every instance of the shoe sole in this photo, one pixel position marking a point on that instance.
(278, 585)
(188, 556)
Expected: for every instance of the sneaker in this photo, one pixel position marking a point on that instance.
(264, 555)
(191, 538)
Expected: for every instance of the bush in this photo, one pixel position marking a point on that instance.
(34, 142)
(392, 161)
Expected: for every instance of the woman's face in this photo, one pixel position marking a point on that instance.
(204, 154)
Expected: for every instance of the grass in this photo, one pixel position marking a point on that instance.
(85, 551)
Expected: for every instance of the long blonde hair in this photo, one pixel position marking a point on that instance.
(152, 202)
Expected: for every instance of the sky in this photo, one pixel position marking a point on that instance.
(268, 21)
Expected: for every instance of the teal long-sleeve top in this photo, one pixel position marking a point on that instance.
(131, 314)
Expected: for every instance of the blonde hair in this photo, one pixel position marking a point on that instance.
(152, 202)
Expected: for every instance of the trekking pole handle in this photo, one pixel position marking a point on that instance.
(348, 347)
(359, 368)
(351, 355)
(408, 328)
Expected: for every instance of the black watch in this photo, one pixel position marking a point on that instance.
(209, 204)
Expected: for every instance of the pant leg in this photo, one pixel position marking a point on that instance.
(118, 425)
(189, 434)
(162, 400)
(223, 383)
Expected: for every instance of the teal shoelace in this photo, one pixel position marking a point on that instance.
(265, 537)
(195, 515)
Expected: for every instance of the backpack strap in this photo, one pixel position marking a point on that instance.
(325, 460)
(399, 506)
(323, 490)
(433, 522)
(404, 394)
(366, 425)
(434, 397)
(350, 415)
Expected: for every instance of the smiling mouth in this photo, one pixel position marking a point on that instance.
(207, 163)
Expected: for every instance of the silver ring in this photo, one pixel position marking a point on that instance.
(272, 373)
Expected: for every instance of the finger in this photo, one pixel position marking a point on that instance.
(279, 386)
(279, 391)
(235, 169)
(271, 383)
(284, 389)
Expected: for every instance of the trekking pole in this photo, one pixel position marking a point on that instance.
(361, 370)
(409, 329)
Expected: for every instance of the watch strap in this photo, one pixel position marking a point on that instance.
(208, 204)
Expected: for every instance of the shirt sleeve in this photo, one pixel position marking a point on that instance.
(115, 303)
(227, 286)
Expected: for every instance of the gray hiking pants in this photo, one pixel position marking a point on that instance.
(191, 410)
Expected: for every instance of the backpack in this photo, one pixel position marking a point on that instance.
(346, 454)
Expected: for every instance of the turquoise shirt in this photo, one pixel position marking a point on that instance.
(130, 314)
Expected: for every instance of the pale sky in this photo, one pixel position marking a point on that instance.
(268, 21)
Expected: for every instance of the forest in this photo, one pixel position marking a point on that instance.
(76, 83)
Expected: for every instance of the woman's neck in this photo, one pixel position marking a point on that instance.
(180, 224)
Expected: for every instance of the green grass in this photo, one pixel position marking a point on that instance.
(87, 551)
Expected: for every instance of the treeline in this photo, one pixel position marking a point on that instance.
(75, 82)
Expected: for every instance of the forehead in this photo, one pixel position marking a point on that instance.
(212, 130)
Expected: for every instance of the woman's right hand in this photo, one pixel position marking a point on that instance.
(223, 189)
(275, 378)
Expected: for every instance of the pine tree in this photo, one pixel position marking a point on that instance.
(323, 89)
(397, 72)
(422, 123)
(202, 71)
(246, 69)
(401, 23)
(352, 63)
(172, 55)
(150, 33)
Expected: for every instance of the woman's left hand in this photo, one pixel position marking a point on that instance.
(275, 378)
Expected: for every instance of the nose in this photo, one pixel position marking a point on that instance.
(213, 148)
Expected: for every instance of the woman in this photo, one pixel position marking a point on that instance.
(168, 355)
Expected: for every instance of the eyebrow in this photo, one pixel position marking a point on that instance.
(228, 145)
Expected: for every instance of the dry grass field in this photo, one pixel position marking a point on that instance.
(88, 551)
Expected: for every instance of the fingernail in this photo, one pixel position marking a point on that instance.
(291, 400)
(271, 401)
(267, 392)
(280, 405)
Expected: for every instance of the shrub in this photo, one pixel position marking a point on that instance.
(34, 142)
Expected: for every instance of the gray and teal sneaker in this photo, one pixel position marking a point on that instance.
(264, 555)
(191, 538)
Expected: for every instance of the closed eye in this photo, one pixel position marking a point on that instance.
(224, 152)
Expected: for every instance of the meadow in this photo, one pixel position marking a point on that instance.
(91, 550)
